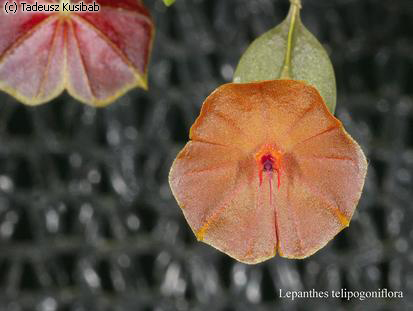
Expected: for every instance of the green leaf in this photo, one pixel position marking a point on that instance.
(168, 2)
(265, 58)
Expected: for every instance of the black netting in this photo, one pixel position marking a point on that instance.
(87, 220)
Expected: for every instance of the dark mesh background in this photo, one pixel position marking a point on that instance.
(87, 220)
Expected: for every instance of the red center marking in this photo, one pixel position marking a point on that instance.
(267, 162)
(269, 165)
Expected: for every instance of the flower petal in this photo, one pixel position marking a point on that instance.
(197, 179)
(333, 167)
(33, 69)
(91, 60)
(223, 201)
(97, 57)
(231, 116)
(227, 192)
(321, 185)
(305, 222)
(294, 111)
(245, 228)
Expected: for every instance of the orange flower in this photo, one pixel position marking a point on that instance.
(268, 169)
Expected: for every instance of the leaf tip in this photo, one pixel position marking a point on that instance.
(168, 2)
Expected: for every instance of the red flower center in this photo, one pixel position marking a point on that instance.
(269, 161)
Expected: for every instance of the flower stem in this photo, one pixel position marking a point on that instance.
(295, 6)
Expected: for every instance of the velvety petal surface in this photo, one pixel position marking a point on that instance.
(97, 57)
(249, 136)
